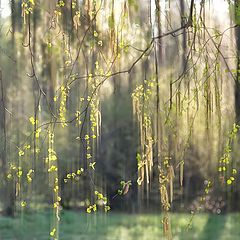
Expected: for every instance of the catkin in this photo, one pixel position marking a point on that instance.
(181, 173)
(171, 176)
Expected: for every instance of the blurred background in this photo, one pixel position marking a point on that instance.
(114, 114)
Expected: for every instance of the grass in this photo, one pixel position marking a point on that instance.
(114, 226)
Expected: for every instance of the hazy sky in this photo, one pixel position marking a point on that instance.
(221, 10)
(5, 10)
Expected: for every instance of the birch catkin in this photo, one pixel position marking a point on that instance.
(171, 176)
(181, 173)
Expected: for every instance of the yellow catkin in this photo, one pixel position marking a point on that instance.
(181, 173)
(171, 176)
(167, 227)
(164, 197)
(145, 127)
(54, 183)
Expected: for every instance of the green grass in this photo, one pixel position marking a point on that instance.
(113, 226)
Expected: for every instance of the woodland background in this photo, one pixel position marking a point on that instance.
(97, 94)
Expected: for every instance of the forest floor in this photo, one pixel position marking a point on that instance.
(114, 226)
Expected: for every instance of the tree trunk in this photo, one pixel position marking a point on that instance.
(8, 194)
